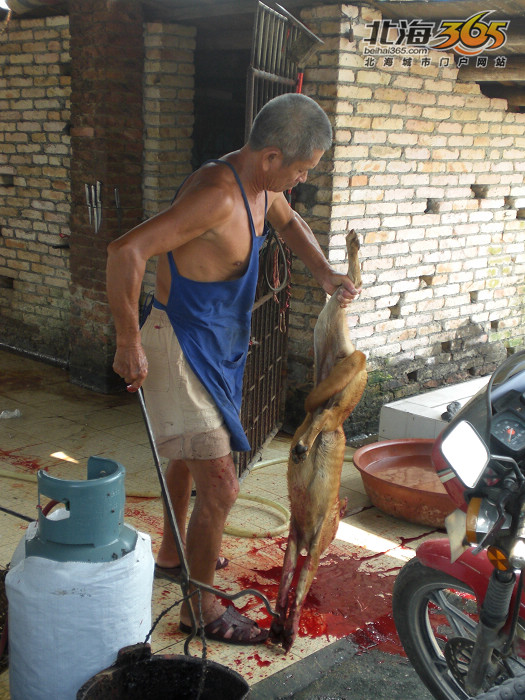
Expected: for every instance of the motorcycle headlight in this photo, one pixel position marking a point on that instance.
(482, 515)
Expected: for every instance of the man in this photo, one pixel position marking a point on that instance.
(194, 343)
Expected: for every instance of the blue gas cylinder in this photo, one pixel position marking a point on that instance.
(92, 527)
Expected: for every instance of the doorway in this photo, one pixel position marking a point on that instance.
(239, 66)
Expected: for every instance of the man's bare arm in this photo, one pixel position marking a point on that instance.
(124, 273)
(184, 221)
(299, 237)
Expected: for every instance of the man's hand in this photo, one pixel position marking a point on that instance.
(337, 282)
(131, 364)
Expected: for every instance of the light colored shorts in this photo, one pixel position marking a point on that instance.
(184, 417)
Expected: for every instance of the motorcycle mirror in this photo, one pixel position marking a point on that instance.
(466, 453)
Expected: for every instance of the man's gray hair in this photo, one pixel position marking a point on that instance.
(295, 124)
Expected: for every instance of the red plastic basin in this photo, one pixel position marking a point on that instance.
(400, 480)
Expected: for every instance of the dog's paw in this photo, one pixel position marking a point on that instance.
(352, 240)
(299, 452)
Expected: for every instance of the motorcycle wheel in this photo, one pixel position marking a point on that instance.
(430, 608)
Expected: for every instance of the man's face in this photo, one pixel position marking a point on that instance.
(285, 177)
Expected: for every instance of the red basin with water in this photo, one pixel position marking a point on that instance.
(400, 480)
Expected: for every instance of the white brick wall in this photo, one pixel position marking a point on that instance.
(442, 259)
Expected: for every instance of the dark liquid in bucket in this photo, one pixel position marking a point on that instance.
(163, 678)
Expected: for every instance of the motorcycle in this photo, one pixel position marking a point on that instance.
(459, 604)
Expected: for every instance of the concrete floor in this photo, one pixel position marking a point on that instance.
(61, 425)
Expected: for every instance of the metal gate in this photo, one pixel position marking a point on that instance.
(264, 376)
(280, 46)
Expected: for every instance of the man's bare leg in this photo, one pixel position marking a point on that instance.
(217, 488)
(179, 482)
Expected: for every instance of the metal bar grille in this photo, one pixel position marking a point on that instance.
(280, 44)
(263, 390)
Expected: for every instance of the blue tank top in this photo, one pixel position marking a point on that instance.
(212, 323)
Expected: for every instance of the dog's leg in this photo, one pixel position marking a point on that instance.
(331, 419)
(289, 567)
(310, 566)
(349, 377)
(345, 374)
(304, 444)
(298, 436)
(352, 247)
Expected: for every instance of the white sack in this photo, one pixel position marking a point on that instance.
(68, 620)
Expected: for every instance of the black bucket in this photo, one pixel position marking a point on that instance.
(138, 674)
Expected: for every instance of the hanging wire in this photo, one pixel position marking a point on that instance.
(204, 655)
(274, 261)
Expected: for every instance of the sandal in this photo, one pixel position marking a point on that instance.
(231, 627)
(174, 573)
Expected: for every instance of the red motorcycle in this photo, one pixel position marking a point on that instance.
(459, 605)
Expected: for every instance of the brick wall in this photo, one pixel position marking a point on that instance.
(168, 116)
(53, 298)
(430, 172)
(34, 185)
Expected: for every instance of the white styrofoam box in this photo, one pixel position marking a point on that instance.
(420, 416)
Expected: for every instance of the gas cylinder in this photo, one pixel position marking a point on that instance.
(79, 587)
